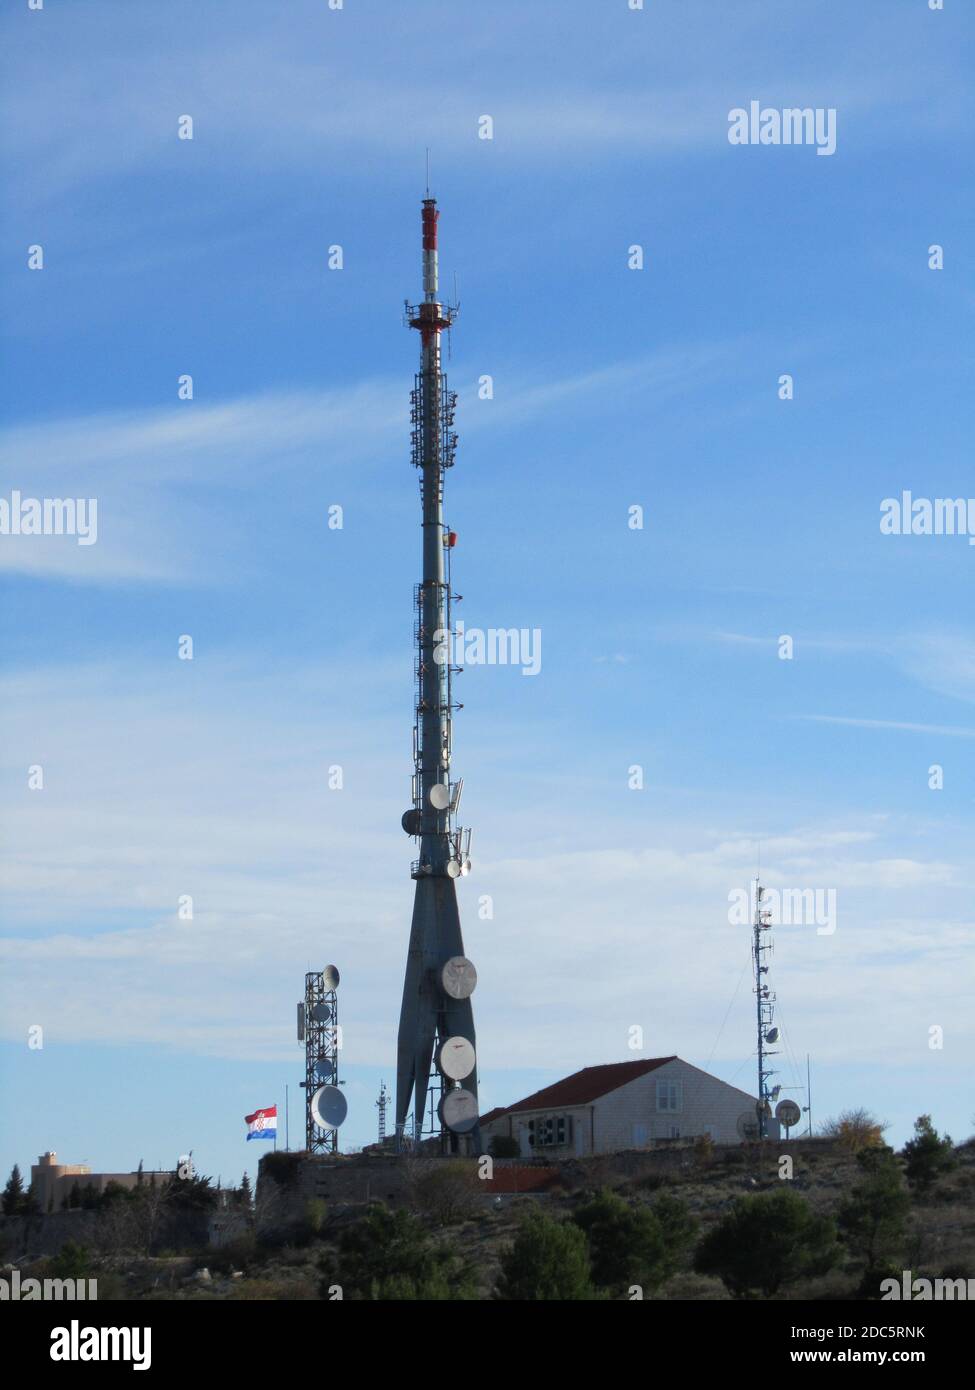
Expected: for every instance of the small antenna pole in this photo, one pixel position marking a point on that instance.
(808, 1096)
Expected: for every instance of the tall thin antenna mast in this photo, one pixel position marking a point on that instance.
(381, 1105)
(764, 1008)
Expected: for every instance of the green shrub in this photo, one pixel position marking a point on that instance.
(73, 1261)
(766, 1242)
(873, 1217)
(389, 1255)
(626, 1244)
(927, 1156)
(315, 1214)
(548, 1262)
(678, 1228)
(447, 1190)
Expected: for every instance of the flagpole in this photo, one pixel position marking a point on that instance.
(275, 1149)
(287, 1122)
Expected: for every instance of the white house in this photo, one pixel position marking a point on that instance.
(625, 1105)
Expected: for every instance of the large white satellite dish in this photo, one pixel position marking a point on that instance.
(328, 1107)
(330, 977)
(456, 1057)
(458, 977)
(439, 796)
(458, 1110)
(453, 868)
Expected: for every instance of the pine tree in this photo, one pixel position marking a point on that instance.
(766, 1242)
(548, 1262)
(873, 1218)
(13, 1193)
(246, 1196)
(928, 1155)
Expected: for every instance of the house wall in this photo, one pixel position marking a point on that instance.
(579, 1145)
(628, 1118)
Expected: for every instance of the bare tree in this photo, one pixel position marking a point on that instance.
(855, 1130)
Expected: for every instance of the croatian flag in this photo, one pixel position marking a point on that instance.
(263, 1124)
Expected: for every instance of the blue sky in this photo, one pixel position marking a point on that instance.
(612, 387)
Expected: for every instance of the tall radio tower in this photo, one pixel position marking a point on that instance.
(436, 1018)
(768, 1033)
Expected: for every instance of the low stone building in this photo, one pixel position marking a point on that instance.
(624, 1105)
(51, 1182)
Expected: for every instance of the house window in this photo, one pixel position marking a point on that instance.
(675, 1131)
(669, 1096)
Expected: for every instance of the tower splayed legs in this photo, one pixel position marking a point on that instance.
(436, 1018)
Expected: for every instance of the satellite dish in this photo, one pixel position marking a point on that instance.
(788, 1113)
(330, 977)
(747, 1125)
(328, 1107)
(772, 1036)
(458, 977)
(323, 1070)
(458, 1110)
(456, 1058)
(439, 795)
(453, 868)
(321, 1013)
(411, 821)
(465, 867)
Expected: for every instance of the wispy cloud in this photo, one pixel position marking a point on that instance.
(152, 472)
(904, 725)
(279, 97)
(97, 862)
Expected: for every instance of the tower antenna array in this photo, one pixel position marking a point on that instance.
(436, 1017)
(318, 1029)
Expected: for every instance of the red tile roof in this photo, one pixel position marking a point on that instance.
(521, 1177)
(582, 1087)
(491, 1115)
